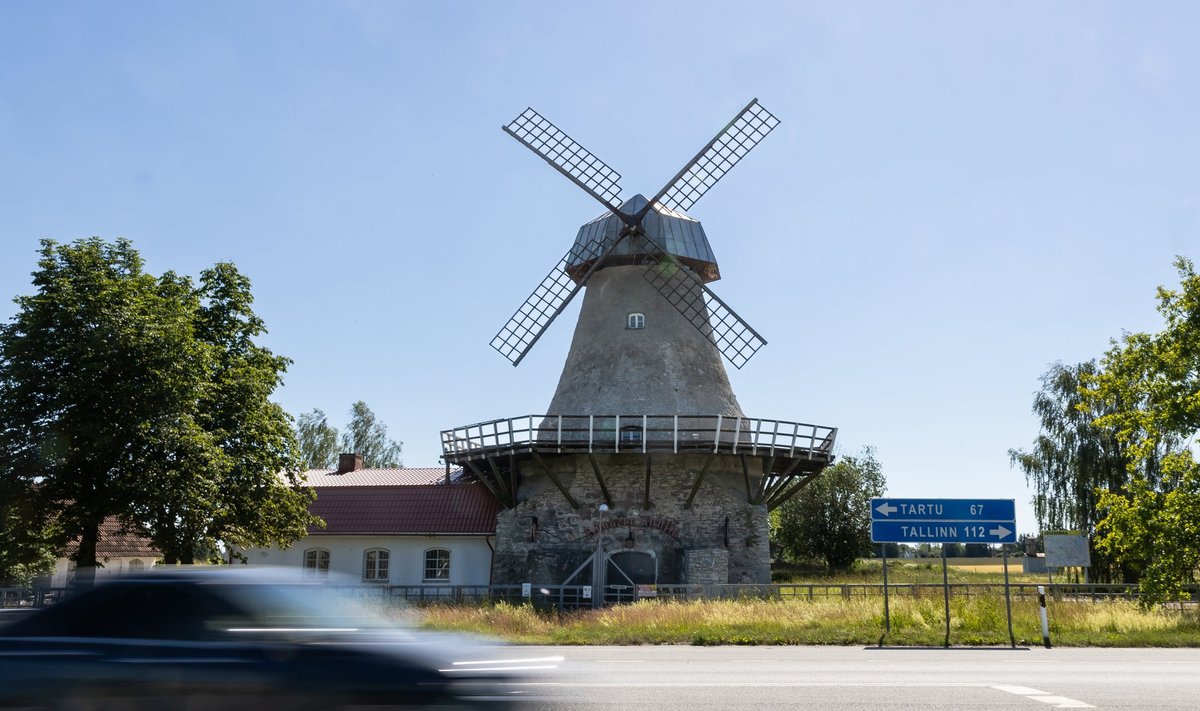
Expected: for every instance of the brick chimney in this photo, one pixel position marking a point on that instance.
(348, 462)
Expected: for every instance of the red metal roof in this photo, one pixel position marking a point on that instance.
(403, 476)
(415, 510)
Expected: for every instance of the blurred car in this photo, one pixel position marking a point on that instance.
(232, 638)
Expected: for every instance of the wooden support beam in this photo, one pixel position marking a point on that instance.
(699, 478)
(777, 501)
(761, 489)
(779, 482)
(746, 476)
(500, 483)
(490, 486)
(554, 478)
(600, 479)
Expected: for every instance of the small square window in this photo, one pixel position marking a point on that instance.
(635, 321)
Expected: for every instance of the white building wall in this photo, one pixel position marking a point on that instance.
(64, 569)
(470, 557)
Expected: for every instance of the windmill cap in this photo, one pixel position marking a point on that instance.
(675, 232)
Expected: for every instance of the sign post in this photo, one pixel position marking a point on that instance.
(943, 521)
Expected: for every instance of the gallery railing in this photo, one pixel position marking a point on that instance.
(639, 434)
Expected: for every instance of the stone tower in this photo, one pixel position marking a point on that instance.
(644, 471)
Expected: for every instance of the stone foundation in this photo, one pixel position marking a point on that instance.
(720, 538)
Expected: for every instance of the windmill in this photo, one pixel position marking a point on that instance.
(644, 433)
(684, 261)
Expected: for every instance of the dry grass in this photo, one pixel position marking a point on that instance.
(915, 621)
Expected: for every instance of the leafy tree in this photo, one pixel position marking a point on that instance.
(1073, 459)
(25, 552)
(830, 519)
(318, 440)
(90, 364)
(367, 436)
(1151, 385)
(144, 398)
(225, 466)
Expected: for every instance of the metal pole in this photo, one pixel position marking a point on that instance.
(1008, 599)
(887, 619)
(946, 595)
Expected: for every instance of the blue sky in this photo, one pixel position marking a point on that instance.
(959, 193)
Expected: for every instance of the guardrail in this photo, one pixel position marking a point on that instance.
(639, 434)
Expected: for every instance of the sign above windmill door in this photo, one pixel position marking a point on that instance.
(642, 231)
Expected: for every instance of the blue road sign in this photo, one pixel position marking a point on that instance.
(943, 532)
(943, 521)
(884, 509)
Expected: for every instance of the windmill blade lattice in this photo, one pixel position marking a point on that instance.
(567, 157)
(680, 286)
(548, 300)
(716, 159)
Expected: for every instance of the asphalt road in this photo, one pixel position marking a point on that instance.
(693, 678)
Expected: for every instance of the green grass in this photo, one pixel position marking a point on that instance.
(921, 570)
(915, 622)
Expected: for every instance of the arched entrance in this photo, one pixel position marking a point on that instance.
(625, 571)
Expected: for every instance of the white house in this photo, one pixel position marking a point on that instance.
(415, 526)
(117, 552)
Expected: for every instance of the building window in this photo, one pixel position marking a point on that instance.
(136, 565)
(316, 561)
(437, 564)
(375, 564)
(635, 320)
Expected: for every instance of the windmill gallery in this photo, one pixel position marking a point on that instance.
(644, 469)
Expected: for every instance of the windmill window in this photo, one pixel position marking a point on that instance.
(635, 320)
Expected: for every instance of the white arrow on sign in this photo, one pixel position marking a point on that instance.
(1000, 532)
(885, 508)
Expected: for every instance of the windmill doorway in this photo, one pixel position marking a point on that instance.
(615, 576)
(625, 571)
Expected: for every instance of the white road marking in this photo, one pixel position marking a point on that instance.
(1020, 690)
(1045, 697)
(1060, 702)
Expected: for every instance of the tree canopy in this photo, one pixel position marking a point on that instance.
(1150, 385)
(142, 398)
(829, 521)
(1073, 459)
(365, 436)
(318, 440)
(1116, 455)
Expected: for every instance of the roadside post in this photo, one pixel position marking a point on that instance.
(887, 617)
(1012, 638)
(943, 521)
(1042, 612)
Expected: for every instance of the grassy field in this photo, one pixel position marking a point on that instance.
(915, 621)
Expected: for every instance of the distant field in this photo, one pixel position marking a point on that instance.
(985, 565)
